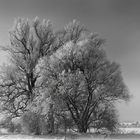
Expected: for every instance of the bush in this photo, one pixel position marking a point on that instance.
(17, 122)
(11, 127)
(7, 124)
(32, 123)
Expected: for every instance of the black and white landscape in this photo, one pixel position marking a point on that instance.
(69, 69)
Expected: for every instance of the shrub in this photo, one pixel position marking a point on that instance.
(11, 127)
(32, 123)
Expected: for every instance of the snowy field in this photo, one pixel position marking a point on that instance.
(26, 137)
(125, 134)
(22, 137)
(80, 138)
(130, 130)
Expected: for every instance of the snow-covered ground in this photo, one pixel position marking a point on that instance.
(3, 131)
(26, 137)
(130, 130)
(5, 135)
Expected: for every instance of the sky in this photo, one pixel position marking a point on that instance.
(117, 21)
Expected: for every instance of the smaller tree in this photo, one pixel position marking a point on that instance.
(105, 117)
(30, 41)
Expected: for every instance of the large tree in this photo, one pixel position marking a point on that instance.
(68, 69)
(30, 40)
(85, 81)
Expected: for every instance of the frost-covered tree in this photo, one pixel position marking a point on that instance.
(30, 41)
(86, 83)
(65, 73)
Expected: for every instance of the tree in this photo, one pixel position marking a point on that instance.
(105, 117)
(66, 72)
(73, 31)
(80, 73)
(19, 81)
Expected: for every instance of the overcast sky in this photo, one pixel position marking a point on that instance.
(118, 21)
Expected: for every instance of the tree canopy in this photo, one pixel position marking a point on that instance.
(66, 72)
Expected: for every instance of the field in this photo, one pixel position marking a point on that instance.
(82, 137)
(26, 137)
(125, 134)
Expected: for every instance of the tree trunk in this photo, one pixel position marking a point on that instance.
(65, 126)
(38, 132)
(82, 130)
(82, 127)
(51, 119)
